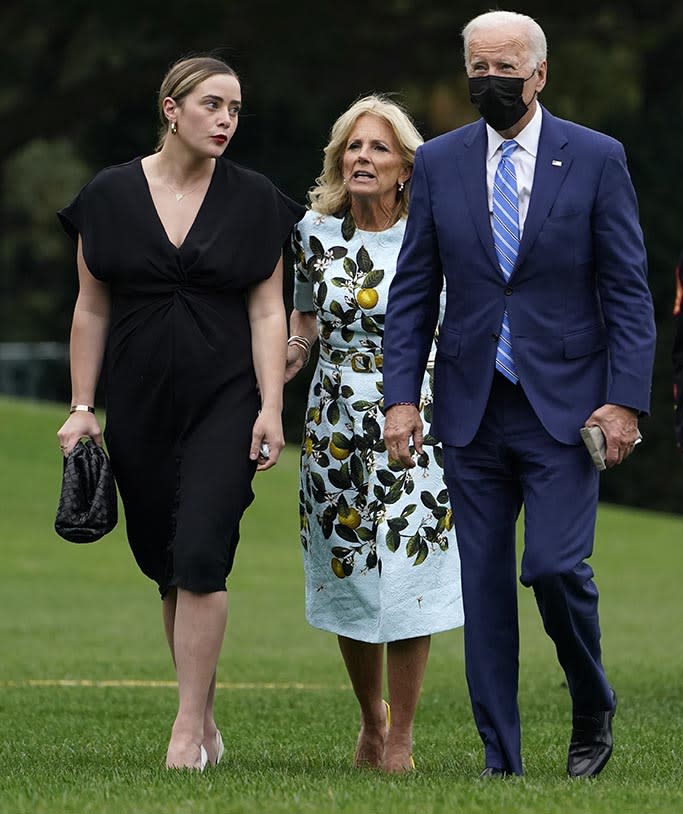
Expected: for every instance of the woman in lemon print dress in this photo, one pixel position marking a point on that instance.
(379, 542)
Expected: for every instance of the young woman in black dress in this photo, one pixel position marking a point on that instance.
(180, 274)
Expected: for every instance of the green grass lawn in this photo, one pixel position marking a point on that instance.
(87, 700)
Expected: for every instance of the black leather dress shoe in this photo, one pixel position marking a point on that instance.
(591, 744)
(492, 772)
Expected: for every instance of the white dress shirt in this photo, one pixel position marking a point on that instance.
(524, 159)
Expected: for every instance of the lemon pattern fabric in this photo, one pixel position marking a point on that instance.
(379, 543)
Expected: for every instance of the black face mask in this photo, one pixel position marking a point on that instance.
(499, 99)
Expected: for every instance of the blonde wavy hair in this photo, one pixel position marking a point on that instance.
(329, 196)
(182, 78)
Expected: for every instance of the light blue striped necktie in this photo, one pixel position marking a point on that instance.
(506, 244)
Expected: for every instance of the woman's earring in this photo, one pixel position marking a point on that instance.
(400, 186)
(174, 128)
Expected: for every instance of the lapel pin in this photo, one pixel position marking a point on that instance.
(557, 163)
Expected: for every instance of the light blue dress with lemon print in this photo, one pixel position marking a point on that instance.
(379, 545)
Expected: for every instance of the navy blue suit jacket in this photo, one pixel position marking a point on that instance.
(580, 309)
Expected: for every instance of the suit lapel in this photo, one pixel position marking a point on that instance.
(472, 168)
(552, 164)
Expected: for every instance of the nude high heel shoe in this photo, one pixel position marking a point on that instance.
(357, 761)
(203, 760)
(220, 748)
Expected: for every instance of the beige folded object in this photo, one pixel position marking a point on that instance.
(594, 439)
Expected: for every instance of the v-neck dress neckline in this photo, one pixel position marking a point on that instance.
(181, 389)
(150, 198)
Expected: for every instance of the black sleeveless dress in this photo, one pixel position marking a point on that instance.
(181, 394)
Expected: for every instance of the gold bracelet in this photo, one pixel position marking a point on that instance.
(299, 340)
(303, 343)
(81, 408)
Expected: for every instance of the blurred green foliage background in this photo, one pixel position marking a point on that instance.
(79, 93)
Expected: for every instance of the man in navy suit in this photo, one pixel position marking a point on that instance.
(533, 223)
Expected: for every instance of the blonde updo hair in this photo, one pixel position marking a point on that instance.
(181, 79)
(329, 196)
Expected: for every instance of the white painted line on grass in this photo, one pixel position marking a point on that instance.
(133, 682)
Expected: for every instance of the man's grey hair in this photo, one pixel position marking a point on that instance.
(538, 46)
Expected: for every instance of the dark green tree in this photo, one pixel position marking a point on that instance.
(80, 94)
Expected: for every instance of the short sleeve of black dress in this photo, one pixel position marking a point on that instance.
(180, 387)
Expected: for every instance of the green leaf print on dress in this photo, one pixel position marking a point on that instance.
(380, 557)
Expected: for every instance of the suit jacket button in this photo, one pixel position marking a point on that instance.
(508, 291)
(494, 337)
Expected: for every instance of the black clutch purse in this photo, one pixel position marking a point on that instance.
(87, 507)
